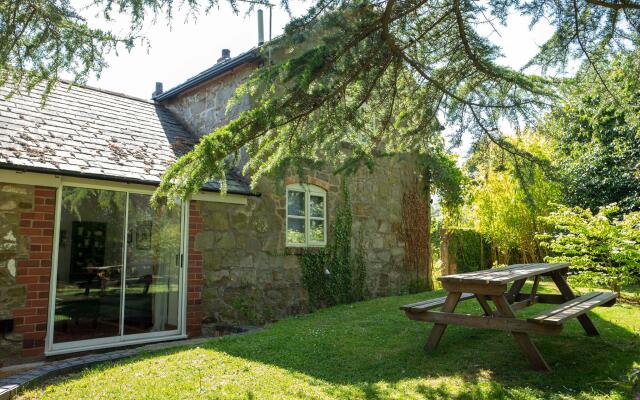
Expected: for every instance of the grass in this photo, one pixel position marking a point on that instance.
(369, 350)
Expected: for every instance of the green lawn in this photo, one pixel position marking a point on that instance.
(370, 350)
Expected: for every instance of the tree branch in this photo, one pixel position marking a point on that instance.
(615, 6)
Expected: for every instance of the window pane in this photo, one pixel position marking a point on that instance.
(295, 203)
(316, 206)
(89, 264)
(153, 267)
(295, 230)
(316, 233)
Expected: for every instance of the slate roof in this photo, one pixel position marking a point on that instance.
(93, 133)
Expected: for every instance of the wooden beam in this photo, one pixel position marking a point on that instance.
(482, 299)
(534, 289)
(439, 328)
(477, 288)
(519, 305)
(542, 298)
(515, 289)
(522, 338)
(484, 322)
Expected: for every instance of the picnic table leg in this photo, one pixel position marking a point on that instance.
(568, 294)
(482, 299)
(524, 341)
(438, 329)
(515, 289)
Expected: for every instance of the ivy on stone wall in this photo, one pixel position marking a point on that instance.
(417, 238)
(336, 274)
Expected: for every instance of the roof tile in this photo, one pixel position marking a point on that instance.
(87, 131)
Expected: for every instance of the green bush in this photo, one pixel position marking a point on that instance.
(603, 249)
(469, 250)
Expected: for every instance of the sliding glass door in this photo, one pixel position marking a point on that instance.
(153, 268)
(118, 274)
(89, 271)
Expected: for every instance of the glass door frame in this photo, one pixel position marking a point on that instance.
(52, 348)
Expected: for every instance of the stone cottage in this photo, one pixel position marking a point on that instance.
(87, 263)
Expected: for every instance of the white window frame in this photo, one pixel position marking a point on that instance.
(308, 190)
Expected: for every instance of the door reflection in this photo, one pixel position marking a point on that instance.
(153, 270)
(91, 244)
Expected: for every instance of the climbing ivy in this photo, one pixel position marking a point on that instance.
(336, 274)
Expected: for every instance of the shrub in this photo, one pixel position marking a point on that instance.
(469, 250)
(603, 249)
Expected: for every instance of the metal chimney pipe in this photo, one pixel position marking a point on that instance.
(260, 29)
(158, 90)
(226, 54)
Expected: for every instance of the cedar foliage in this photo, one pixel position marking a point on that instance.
(383, 76)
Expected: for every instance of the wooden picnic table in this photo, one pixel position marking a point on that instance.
(492, 285)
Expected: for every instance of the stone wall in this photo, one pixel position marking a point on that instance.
(14, 200)
(249, 274)
(14, 247)
(205, 107)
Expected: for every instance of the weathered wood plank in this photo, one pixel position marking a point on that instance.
(568, 294)
(433, 303)
(477, 288)
(573, 308)
(522, 338)
(484, 322)
(438, 329)
(504, 275)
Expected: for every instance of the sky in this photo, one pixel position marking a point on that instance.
(183, 49)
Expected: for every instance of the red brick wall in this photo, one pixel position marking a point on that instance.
(35, 271)
(194, 274)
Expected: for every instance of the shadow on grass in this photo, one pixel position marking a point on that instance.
(373, 341)
(374, 346)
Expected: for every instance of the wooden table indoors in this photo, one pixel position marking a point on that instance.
(491, 286)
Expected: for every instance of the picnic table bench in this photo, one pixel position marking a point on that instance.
(492, 286)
